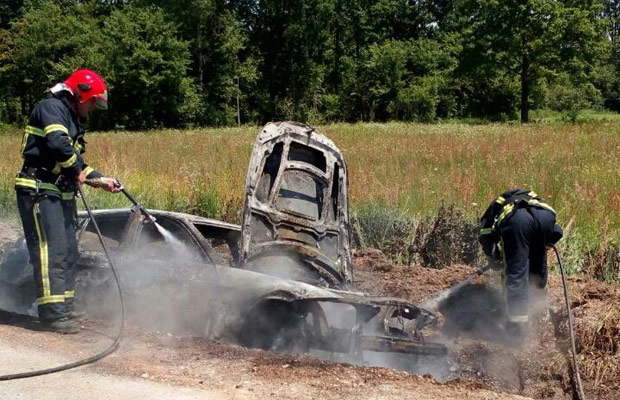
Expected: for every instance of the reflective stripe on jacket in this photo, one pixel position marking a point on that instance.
(53, 143)
(499, 210)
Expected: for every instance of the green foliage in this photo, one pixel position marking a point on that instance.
(147, 67)
(531, 40)
(219, 60)
(47, 43)
(401, 80)
(434, 242)
(573, 250)
(212, 62)
(419, 101)
(9, 10)
(387, 229)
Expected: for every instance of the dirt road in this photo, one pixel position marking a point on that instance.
(150, 365)
(82, 383)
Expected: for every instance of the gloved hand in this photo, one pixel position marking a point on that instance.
(108, 184)
(556, 235)
(112, 184)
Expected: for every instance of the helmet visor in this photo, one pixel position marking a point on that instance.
(101, 101)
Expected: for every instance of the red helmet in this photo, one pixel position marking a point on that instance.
(86, 84)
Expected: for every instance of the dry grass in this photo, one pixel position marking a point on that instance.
(600, 341)
(412, 167)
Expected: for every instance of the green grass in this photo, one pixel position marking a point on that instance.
(582, 116)
(411, 168)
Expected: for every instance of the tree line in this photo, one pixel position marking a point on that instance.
(175, 63)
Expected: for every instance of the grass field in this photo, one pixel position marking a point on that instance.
(410, 167)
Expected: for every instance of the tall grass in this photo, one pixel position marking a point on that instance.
(413, 168)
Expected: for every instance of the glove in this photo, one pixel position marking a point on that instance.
(111, 185)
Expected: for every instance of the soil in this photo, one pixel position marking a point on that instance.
(9, 232)
(483, 363)
(375, 273)
(220, 370)
(472, 326)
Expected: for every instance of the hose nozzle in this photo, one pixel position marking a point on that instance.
(98, 183)
(148, 217)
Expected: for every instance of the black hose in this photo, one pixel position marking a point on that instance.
(578, 384)
(119, 335)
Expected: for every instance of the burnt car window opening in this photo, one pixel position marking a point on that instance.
(270, 171)
(308, 155)
(300, 194)
(223, 241)
(335, 192)
(111, 227)
(178, 245)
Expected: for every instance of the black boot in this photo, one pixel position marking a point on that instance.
(72, 311)
(61, 325)
(516, 334)
(77, 315)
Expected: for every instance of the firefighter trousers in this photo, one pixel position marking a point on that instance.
(524, 238)
(50, 229)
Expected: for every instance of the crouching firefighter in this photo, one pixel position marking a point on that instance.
(52, 149)
(516, 229)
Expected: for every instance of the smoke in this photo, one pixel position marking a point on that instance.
(288, 265)
(480, 343)
(475, 311)
(170, 288)
(167, 286)
(343, 316)
(17, 290)
(167, 290)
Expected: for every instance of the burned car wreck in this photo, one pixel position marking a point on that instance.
(280, 281)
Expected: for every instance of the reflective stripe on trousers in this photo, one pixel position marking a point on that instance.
(49, 227)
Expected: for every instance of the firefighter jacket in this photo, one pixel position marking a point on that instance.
(52, 148)
(500, 210)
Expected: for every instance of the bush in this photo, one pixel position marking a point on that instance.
(388, 230)
(330, 108)
(419, 101)
(570, 99)
(447, 239)
(433, 242)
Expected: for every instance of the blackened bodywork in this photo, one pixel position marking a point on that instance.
(295, 217)
(296, 226)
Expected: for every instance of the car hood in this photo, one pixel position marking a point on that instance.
(295, 217)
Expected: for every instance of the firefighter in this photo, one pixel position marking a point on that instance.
(52, 148)
(516, 229)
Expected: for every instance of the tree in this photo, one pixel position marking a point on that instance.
(44, 47)
(531, 40)
(292, 41)
(220, 61)
(401, 79)
(611, 69)
(147, 70)
(10, 10)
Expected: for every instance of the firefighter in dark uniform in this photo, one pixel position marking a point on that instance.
(52, 149)
(516, 229)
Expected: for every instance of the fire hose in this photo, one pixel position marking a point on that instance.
(117, 339)
(434, 302)
(571, 331)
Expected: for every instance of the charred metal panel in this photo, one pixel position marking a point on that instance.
(295, 216)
